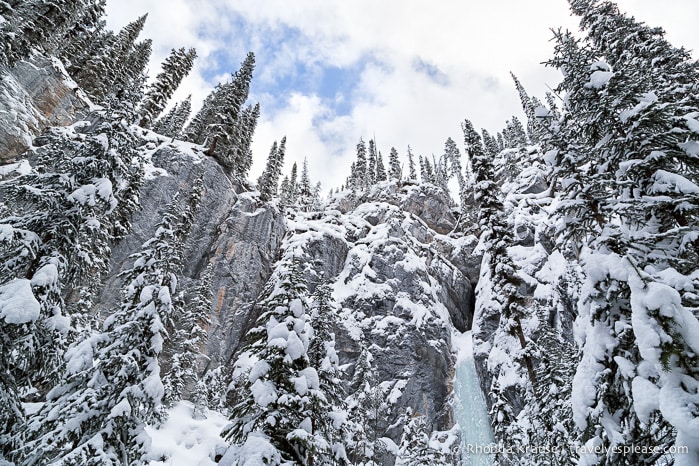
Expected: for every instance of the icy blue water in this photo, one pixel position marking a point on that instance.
(471, 414)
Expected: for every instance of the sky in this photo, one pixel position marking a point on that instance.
(402, 72)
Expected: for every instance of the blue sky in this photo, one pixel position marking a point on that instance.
(407, 71)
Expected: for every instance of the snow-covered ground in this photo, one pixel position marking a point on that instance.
(183, 440)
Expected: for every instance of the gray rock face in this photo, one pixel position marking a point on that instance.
(33, 95)
(399, 292)
(229, 230)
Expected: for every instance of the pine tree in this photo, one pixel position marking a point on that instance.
(268, 181)
(277, 396)
(112, 387)
(176, 66)
(380, 168)
(172, 122)
(394, 170)
(411, 165)
(414, 448)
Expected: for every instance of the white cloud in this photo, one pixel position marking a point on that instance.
(471, 47)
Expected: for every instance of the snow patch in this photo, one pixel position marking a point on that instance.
(17, 302)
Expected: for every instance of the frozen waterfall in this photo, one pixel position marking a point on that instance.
(470, 408)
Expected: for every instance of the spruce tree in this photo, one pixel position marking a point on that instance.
(360, 167)
(414, 448)
(305, 189)
(269, 180)
(505, 297)
(59, 219)
(380, 168)
(277, 396)
(328, 412)
(175, 67)
(411, 165)
(112, 387)
(624, 163)
(394, 170)
(172, 122)
(371, 163)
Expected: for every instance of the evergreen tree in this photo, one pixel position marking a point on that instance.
(623, 164)
(394, 170)
(175, 67)
(268, 181)
(504, 298)
(514, 135)
(327, 414)
(367, 405)
(35, 24)
(359, 175)
(371, 163)
(305, 199)
(380, 168)
(277, 396)
(529, 107)
(223, 118)
(172, 122)
(414, 448)
(411, 165)
(114, 76)
(112, 387)
(59, 219)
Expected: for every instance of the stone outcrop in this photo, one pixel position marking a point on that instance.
(33, 95)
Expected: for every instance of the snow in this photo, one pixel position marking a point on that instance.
(17, 302)
(645, 101)
(666, 182)
(397, 391)
(18, 168)
(257, 451)
(645, 398)
(45, 276)
(599, 79)
(692, 122)
(183, 440)
(294, 346)
(264, 392)
(691, 148)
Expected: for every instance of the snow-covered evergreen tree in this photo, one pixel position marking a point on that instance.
(394, 168)
(277, 395)
(630, 204)
(381, 174)
(175, 67)
(499, 293)
(112, 386)
(367, 405)
(415, 448)
(269, 179)
(412, 173)
(172, 122)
